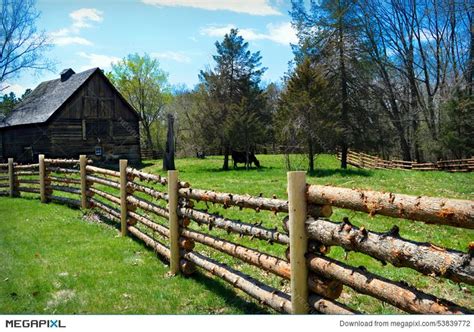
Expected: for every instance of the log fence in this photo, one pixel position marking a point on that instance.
(168, 216)
(363, 160)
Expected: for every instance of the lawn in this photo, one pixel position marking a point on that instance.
(54, 260)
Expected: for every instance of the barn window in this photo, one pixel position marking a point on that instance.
(98, 151)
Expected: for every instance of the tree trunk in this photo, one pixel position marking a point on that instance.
(225, 167)
(311, 155)
(168, 159)
(344, 95)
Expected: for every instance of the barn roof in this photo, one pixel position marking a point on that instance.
(46, 99)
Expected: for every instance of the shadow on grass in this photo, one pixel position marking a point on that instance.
(325, 172)
(228, 295)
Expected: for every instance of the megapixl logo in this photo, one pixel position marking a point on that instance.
(34, 323)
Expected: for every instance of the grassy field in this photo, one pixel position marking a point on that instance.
(50, 255)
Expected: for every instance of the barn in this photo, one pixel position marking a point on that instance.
(78, 113)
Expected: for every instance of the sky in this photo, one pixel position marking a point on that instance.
(179, 33)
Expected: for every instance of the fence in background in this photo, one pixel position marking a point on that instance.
(147, 206)
(363, 160)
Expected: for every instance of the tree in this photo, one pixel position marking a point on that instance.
(329, 32)
(302, 106)
(234, 107)
(7, 104)
(145, 86)
(22, 46)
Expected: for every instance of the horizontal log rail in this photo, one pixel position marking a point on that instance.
(399, 295)
(187, 267)
(105, 182)
(390, 247)
(64, 161)
(4, 193)
(443, 211)
(148, 206)
(64, 180)
(29, 190)
(62, 170)
(115, 213)
(184, 243)
(132, 186)
(66, 201)
(327, 288)
(26, 167)
(103, 171)
(112, 198)
(3, 178)
(4, 185)
(265, 294)
(27, 181)
(250, 202)
(270, 235)
(142, 176)
(70, 190)
(26, 173)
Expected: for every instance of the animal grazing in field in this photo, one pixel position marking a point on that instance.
(247, 159)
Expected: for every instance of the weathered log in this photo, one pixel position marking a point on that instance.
(328, 288)
(187, 267)
(142, 176)
(103, 171)
(66, 201)
(65, 161)
(62, 170)
(234, 226)
(4, 185)
(29, 181)
(70, 190)
(390, 247)
(4, 193)
(106, 208)
(4, 178)
(184, 243)
(400, 295)
(29, 190)
(26, 173)
(256, 289)
(453, 212)
(111, 198)
(27, 167)
(251, 202)
(149, 191)
(148, 206)
(64, 180)
(105, 182)
(265, 294)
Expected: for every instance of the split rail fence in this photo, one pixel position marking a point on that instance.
(130, 197)
(363, 160)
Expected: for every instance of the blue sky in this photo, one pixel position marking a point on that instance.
(179, 33)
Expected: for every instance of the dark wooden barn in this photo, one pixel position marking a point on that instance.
(75, 114)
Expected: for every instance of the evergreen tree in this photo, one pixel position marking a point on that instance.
(235, 110)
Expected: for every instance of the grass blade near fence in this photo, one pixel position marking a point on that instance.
(443, 211)
(404, 297)
(271, 235)
(422, 257)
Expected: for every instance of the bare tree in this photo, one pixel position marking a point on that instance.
(22, 46)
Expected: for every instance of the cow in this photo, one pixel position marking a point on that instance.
(241, 157)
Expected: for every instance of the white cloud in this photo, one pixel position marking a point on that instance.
(81, 18)
(72, 40)
(17, 89)
(252, 7)
(98, 60)
(282, 33)
(174, 56)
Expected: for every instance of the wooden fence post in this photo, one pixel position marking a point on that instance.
(82, 166)
(297, 208)
(12, 179)
(42, 178)
(173, 221)
(123, 196)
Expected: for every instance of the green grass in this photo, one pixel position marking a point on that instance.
(102, 267)
(55, 261)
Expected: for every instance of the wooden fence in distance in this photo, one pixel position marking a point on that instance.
(363, 160)
(142, 203)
